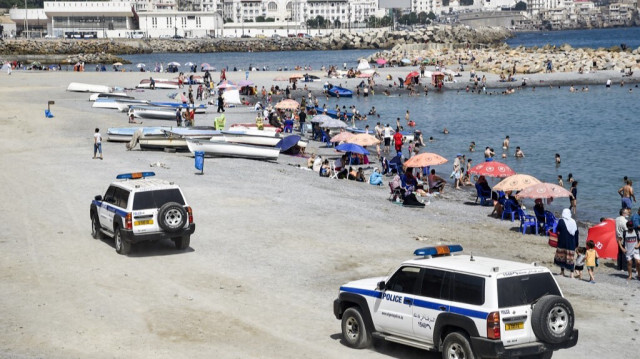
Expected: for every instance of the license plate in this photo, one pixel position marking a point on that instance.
(514, 326)
(144, 223)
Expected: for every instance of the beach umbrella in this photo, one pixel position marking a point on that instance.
(205, 64)
(244, 83)
(341, 137)
(517, 182)
(177, 64)
(226, 85)
(287, 104)
(321, 118)
(37, 63)
(492, 169)
(381, 61)
(117, 64)
(364, 140)
(286, 143)
(333, 123)
(363, 75)
(353, 148)
(188, 63)
(296, 76)
(543, 190)
(603, 235)
(425, 159)
(281, 78)
(405, 61)
(141, 65)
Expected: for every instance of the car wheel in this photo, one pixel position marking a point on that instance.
(122, 246)
(182, 243)
(354, 331)
(172, 217)
(456, 346)
(95, 227)
(552, 319)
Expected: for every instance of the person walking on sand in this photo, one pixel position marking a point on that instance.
(591, 260)
(567, 242)
(97, 143)
(220, 103)
(626, 192)
(629, 246)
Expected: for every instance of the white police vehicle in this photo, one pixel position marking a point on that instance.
(462, 306)
(137, 208)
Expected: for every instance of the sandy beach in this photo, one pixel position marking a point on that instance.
(273, 242)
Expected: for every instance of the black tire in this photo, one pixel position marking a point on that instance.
(122, 247)
(354, 330)
(545, 355)
(172, 217)
(182, 243)
(95, 227)
(456, 346)
(552, 319)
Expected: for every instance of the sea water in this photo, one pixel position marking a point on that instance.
(593, 38)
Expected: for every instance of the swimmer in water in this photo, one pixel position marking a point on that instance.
(445, 131)
(472, 147)
(431, 139)
(505, 143)
(519, 153)
(558, 158)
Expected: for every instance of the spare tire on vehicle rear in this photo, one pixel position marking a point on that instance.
(552, 319)
(172, 217)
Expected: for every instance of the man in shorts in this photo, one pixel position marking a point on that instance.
(626, 192)
(629, 245)
(387, 137)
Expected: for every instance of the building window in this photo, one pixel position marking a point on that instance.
(272, 6)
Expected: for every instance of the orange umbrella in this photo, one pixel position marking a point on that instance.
(516, 183)
(280, 78)
(296, 76)
(363, 139)
(425, 159)
(543, 190)
(341, 137)
(287, 104)
(492, 169)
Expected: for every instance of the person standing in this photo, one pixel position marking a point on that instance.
(626, 192)
(97, 143)
(505, 143)
(621, 226)
(457, 173)
(220, 103)
(397, 140)
(567, 242)
(302, 116)
(629, 246)
(387, 138)
(574, 196)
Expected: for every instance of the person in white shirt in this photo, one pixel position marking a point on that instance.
(97, 143)
(387, 137)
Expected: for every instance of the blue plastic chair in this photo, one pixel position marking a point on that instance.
(288, 126)
(48, 114)
(510, 208)
(326, 139)
(550, 222)
(483, 194)
(527, 221)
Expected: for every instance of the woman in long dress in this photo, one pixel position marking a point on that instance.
(567, 242)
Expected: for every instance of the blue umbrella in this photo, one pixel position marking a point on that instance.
(286, 143)
(353, 148)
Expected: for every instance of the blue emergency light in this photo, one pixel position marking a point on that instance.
(135, 175)
(438, 250)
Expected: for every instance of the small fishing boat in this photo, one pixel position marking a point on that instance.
(251, 137)
(216, 148)
(330, 113)
(337, 91)
(160, 84)
(125, 134)
(199, 109)
(118, 104)
(116, 95)
(80, 87)
(176, 137)
(252, 126)
(153, 112)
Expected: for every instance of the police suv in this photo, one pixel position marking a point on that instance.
(137, 208)
(460, 305)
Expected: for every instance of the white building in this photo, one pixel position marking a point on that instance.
(180, 23)
(29, 23)
(75, 19)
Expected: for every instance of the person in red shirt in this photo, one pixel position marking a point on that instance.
(397, 139)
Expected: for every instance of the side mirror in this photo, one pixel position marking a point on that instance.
(98, 198)
(381, 285)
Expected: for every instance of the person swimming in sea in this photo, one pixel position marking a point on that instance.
(558, 158)
(445, 131)
(472, 146)
(519, 153)
(505, 143)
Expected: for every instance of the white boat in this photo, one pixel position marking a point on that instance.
(117, 95)
(252, 126)
(226, 149)
(160, 84)
(80, 87)
(119, 104)
(159, 113)
(124, 134)
(256, 137)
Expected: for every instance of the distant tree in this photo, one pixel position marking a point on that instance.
(337, 23)
(270, 19)
(260, 18)
(431, 15)
(422, 17)
(466, 2)
(445, 2)
(228, 20)
(521, 6)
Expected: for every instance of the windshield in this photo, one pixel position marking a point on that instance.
(156, 199)
(525, 289)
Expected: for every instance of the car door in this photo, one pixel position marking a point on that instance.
(107, 210)
(432, 300)
(393, 311)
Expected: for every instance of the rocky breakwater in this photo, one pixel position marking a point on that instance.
(65, 51)
(385, 39)
(501, 59)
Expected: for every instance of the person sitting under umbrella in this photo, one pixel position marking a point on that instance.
(436, 183)
(538, 209)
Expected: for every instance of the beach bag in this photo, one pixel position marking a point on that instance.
(553, 239)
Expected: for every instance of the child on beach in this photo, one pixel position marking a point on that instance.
(580, 259)
(591, 260)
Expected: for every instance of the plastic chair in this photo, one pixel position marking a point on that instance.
(510, 208)
(550, 222)
(483, 194)
(220, 122)
(288, 126)
(527, 221)
(48, 114)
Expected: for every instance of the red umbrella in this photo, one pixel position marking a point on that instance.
(603, 235)
(412, 74)
(543, 190)
(492, 169)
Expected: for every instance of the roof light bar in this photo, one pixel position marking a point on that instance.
(438, 250)
(135, 175)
